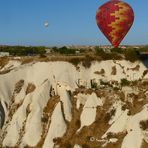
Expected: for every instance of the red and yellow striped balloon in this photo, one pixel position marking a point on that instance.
(114, 19)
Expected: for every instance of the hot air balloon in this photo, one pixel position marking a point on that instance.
(46, 24)
(114, 19)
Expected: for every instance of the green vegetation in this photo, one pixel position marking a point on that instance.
(117, 50)
(131, 55)
(83, 55)
(75, 61)
(99, 50)
(125, 82)
(94, 85)
(116, 88)
(23, 50)
(86, 61)
(64, 50)
(107, 56)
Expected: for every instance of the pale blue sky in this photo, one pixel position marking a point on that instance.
(70, 22)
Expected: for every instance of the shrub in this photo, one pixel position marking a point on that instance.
(68, 145)
(23, 50)
(131, 55)
(114, 55)
(101, 72)
(124, 107)
(114, 70)
(99, 50)
(75, 61)
(145, 73)
(43, 56)
(64, 50)
(116, 88)
(134, 83)
(111, 56)
(94, 85)
(110, 135)
(44, 119)
(55, 49)
(144, 124)
(125, 82)
(57, 140)
(87, 61)
(117, 50)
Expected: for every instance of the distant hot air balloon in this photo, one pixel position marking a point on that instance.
(46, 24)
(114, 19)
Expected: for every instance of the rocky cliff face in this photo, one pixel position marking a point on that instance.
(57, 104)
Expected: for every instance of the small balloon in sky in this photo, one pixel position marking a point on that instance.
(115, 19)
(46, 24)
